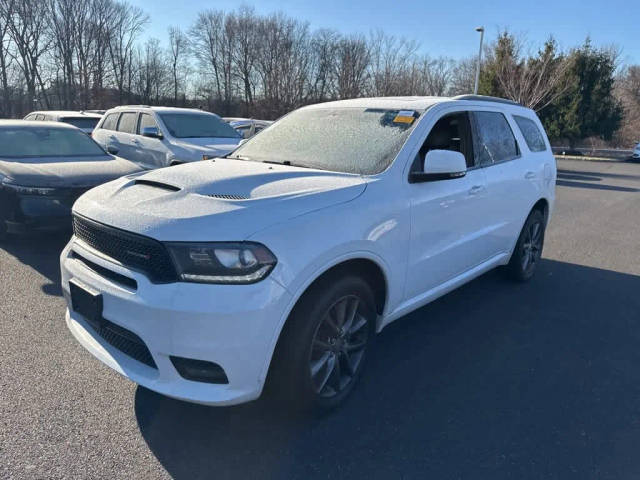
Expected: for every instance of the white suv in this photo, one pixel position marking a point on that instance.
(162, 136)
(285, 258)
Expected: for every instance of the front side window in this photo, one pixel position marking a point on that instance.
(451, 132)
(531, 133)
(352, 140)
(493, 139)
(128, 122)
(110, 122)
(146, 121)
(81, 122)
(197, 125)
(25, 142)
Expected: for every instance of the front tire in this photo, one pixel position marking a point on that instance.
(323, 348)
(528, 250)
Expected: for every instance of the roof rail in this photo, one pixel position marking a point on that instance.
(485, 98)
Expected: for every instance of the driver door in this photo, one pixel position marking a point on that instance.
(448, 227)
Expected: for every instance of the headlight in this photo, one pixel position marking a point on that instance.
(29, 190)
(222, 262)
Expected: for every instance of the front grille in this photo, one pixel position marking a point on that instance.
(135, 251)
(126, 341)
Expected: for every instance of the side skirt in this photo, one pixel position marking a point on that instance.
(442, 289)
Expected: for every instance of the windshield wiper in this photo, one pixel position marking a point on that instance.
(287, 163)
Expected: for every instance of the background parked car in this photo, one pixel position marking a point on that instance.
(247, 127)
(44, 168)
(161, 136)
(84, 120)
(636, 151)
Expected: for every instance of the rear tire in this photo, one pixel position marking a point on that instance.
(323, 347)
(528, 250)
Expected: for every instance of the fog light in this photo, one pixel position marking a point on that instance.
(199, 370)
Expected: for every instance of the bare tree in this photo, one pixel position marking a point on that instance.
(463, 76)
(627, 90)
(244, 51)
(323, 48)
(534, 82)
(27, 27)
(351, 67)
(391, 61)
(5, 56)
(178, 50)
(207, 46)
(126, 25)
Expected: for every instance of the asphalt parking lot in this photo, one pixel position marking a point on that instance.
(495, 380)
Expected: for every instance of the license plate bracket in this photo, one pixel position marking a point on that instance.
(87, 302)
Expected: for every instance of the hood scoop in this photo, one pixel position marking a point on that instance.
(156, 184)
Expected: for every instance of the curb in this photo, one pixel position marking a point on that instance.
(585, 158)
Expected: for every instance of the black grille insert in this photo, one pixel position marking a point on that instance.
(105, 272)
(135, 251)
(126, 341)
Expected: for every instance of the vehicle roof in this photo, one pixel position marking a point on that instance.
(412, 103)
(35, 123)
(159, 109)
(243, 121)
(67, 113)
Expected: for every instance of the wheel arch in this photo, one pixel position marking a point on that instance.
(370, 268)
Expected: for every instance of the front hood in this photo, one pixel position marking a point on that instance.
(80, 172)
(210, 146)
(215, 200)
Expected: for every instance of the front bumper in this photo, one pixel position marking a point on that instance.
(234, 326)
(23, 213)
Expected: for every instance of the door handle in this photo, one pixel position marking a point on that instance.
(476, 189)
(530, 175)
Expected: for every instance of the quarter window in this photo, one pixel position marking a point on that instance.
(128, 122)
(493, 139)
(531, 134)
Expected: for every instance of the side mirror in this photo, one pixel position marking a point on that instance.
(152, 132)
(441, 165)
(112, 150)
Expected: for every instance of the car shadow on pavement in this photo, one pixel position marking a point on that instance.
(42, 253)
(494, 380)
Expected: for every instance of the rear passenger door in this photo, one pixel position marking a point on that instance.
(122, 138)
(509, 190)
(102, 135)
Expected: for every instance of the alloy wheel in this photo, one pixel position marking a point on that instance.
(338, 347)
(531, 246)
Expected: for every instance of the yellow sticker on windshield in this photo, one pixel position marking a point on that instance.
(404, 116)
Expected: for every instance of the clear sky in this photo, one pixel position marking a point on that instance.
(442, 27)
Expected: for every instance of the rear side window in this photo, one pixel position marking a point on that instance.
(493, 139)
(531, 134)
(110, 122)
(146, 121)
(128, 122)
